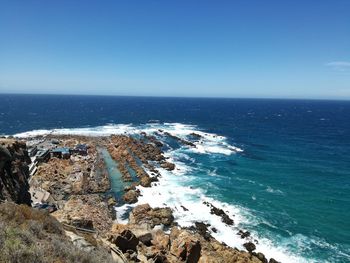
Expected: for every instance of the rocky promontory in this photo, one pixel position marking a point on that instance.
(73, 184)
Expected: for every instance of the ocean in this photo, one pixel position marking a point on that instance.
(280, 168)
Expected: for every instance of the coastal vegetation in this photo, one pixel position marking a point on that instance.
(33, 236)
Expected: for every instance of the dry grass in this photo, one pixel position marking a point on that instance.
(31, 236)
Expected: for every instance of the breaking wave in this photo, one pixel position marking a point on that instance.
(207, 144)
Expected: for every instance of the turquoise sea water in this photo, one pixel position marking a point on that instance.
(290, 185)
(115, 176)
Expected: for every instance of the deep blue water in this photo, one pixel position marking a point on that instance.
(294, 173)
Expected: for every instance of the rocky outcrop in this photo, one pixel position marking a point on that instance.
(249, 246)
(151, 234)
(243, 234)
(139, 243)
(125, 241)
(146, 181)
(131, 196)
(14, 172)
(144, 214)
(185, 246)
(168, 166)
(86, 211)
(195, 135)
(219, 212)
(75, 176)
(180, 140)
(202, 229)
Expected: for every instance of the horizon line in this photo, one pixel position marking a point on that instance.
(178, 97)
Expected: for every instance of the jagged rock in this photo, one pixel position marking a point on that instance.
(131, 196)
(168, 166)
(82, 223)
(84, 209)
(144, 214)
(215, 251)
(249, 246)
(159, 258)
(146, 239)
(131, 256)
(149, 252)
(146, 181)
(180, 139)
(125, 241)
(272, 260)
(118, 228)
(260, 256)
(196, 135)
(14, 172)
(185, 246)
(111, 201)
(219, 212)
(5, 155)
(243, 234)
(202, 229)
(184, 208)
(129, 187)
(160, 240)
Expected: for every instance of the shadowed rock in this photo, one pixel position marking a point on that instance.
(125, 241)
(14, 172)
(249, 246)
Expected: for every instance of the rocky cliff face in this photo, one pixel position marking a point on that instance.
(14, 172)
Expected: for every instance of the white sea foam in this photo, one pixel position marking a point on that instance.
(174, 193)
(274, 191)
(208, 143)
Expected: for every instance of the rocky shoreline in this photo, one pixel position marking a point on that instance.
(80, 189)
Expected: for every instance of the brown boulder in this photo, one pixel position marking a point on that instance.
(144, 214)
(168, 166)
(111, 201)
(126, 240)
(185, 246)
(146, 180)
(160, 240)
(131, 196)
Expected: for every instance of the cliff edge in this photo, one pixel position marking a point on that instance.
(14, 172)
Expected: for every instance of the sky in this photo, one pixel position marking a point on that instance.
(260, 49)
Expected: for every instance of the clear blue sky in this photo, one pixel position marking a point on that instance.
(291, 49)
